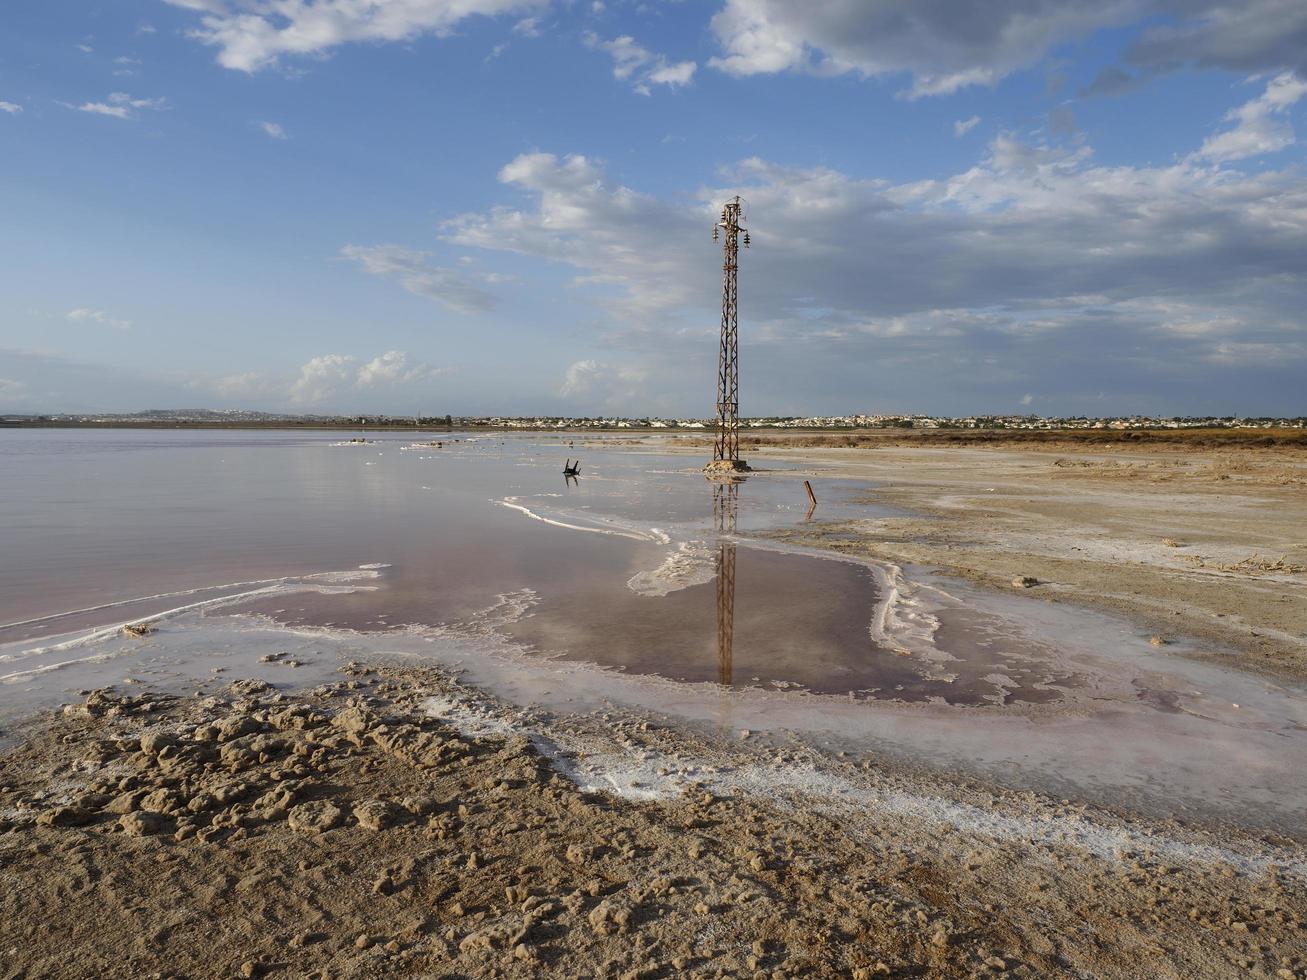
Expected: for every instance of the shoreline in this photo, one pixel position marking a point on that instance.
(1187, 541)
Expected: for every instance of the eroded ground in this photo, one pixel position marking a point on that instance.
(360, 830)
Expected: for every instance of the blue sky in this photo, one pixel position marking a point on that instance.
(492, 206)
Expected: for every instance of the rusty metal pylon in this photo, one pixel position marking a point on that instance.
(726, 446)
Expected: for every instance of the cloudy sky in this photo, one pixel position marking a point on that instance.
(505, 206)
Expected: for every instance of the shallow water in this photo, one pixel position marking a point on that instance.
(637, 583)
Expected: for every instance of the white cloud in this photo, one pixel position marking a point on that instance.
(85, 48)
(321, 378)
(119, 105)
(83, 315)
(1027, 398)
(527, 27)
(104, 109)
(1260, 126)
(415, 272)
(585, 222)
(274, 130)
(639, 66)
(393, 368)
(1034, 252)
(329, 376)
(603, 384)
(253, 34)
(964, 126)
(10, 107)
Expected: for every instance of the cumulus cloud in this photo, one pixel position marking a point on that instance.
(119, 105)
(1260, 126)
(1033, 258)
(584, 221)
(640, 67)
(331, 375)
(13, 108)
(321, 378)
(253, 34)
(274, 130)
(84, 315)
(603, 384)
(416, 273)
(393, 367)
(946, 45)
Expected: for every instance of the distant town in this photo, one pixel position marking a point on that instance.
(201, 418)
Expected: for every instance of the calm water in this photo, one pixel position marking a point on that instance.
(621, 563)
(638, 575)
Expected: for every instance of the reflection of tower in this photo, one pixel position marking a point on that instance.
(725, 497)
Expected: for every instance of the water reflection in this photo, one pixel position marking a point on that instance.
(725, 505)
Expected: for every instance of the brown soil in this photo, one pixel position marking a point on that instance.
(345, 833)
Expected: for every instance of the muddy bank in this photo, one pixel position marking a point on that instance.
(397, 823)
(1188, 540)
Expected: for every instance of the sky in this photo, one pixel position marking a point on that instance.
(483, 207)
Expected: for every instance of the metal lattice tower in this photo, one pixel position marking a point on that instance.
(727, 445)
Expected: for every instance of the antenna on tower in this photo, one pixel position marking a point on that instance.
(726, 446)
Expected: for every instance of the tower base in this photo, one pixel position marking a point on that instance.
(725, 467)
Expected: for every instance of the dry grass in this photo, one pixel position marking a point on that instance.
(1253, 564)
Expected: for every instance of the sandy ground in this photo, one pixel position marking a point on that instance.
(362, 829)
(1205, 540)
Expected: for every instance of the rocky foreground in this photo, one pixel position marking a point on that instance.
(345, 833)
